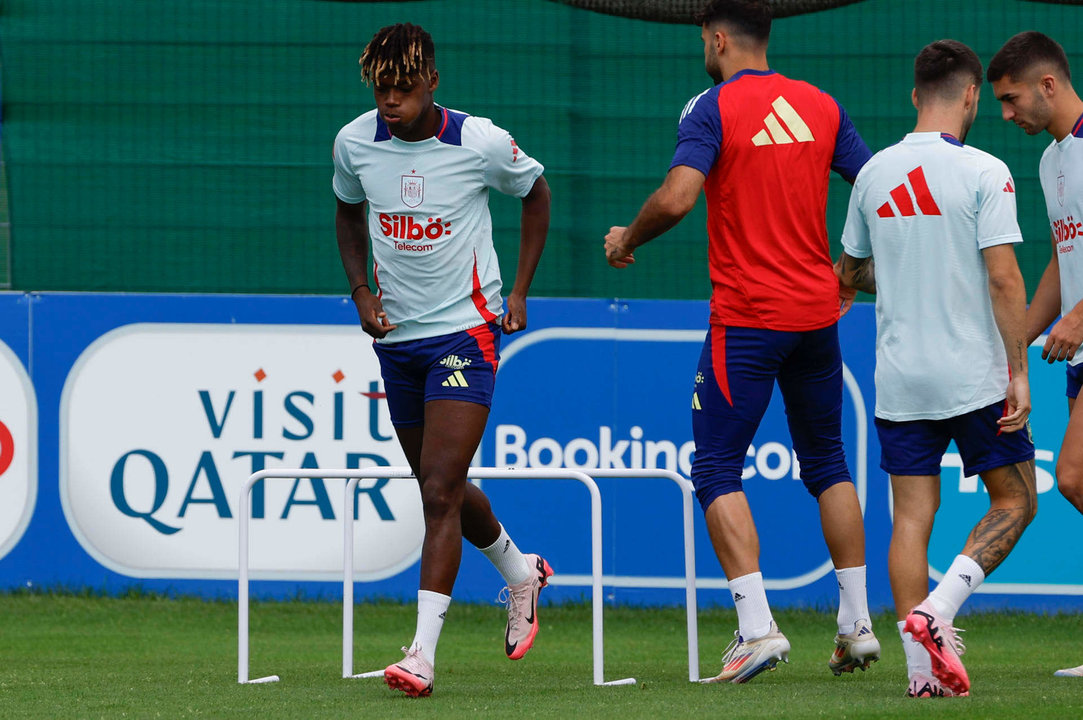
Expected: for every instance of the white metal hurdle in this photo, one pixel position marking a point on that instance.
(354, 475)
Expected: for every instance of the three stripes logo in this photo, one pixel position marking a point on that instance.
(904, 201)
(1009, 187)
(775, 134)
(695, 402)
(456, 379)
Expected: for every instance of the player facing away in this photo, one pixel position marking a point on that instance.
(412, 179)
(761, 146)
(1031, 78)
(939, 219)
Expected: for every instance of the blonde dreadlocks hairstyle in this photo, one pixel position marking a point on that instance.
(399, 50)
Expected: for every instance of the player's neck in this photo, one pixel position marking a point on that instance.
(1065, 117)
(940, 120)
(740, 62)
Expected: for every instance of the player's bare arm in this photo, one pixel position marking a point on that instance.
(1066, 336)
(534, 226)
(663, 209)
(856, 273)
(1009, 299)
(353, 248)
(1045, 306)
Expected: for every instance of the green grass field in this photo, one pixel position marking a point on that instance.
(149, 657)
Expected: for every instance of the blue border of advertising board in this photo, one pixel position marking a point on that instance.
(591, 383)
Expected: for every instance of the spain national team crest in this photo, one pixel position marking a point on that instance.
(1060, 189)
(413, 190)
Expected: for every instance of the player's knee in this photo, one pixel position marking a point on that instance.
(819, 486)
(440, 498)
(707, 493)
(1070, 483)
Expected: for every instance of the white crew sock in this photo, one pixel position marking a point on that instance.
(431, 611)
(507, 559)
(750, 599)
(853, 598)
(962, 578)
(917, 657)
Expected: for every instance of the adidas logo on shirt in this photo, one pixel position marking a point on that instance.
(1009, 187)
(456, 379)
(904, 201)
(775, 133)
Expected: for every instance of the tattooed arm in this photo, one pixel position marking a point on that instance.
(1009, 298)
(857, 273)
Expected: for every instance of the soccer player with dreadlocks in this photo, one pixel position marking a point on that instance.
(412, 180)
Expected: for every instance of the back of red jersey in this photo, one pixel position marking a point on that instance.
(767, 145)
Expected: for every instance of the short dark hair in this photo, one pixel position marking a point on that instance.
(1023, 52)
(749, 17)
(401, 50)
(945, 68)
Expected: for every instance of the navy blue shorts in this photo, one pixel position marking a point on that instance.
(738, 368)
(458, 366)
(1075, 380)
(916, 447)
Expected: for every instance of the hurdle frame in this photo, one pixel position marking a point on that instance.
(353, 476)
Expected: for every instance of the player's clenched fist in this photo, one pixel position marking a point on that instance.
(371, 312)
(616, 253)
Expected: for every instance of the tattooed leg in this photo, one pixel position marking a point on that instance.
(1013, 500)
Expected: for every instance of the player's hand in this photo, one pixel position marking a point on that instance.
(515, 318)
(846, 299)
(616, 254)
(1064, 339)
(1017, 405)
(371, 313)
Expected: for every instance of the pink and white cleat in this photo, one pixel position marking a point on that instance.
(522, 603)
(925, 686)
(941, 641)
(413, 675)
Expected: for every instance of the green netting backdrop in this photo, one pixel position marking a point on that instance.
(185, 145)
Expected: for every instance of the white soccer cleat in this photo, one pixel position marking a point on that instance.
(1070, 672)
(857, 649)
(745, 659)
(522, 602)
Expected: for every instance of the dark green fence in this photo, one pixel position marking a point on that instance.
(185, 145)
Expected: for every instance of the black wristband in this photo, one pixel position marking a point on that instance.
(357, 287)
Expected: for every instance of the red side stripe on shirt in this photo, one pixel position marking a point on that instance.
(1078, 127)
(478, 297)
(483, 334)
(376, 278)
(921, 192)
(718, 360)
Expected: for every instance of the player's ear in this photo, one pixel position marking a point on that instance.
(914, 98)
(719, 40)
(1047, 84)
(971, 97)
(434, 80)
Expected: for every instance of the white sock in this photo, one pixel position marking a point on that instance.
(917, 657)
(853, 598)
(962, 578)
(431, 611)
(750, 599)
(507, 559)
